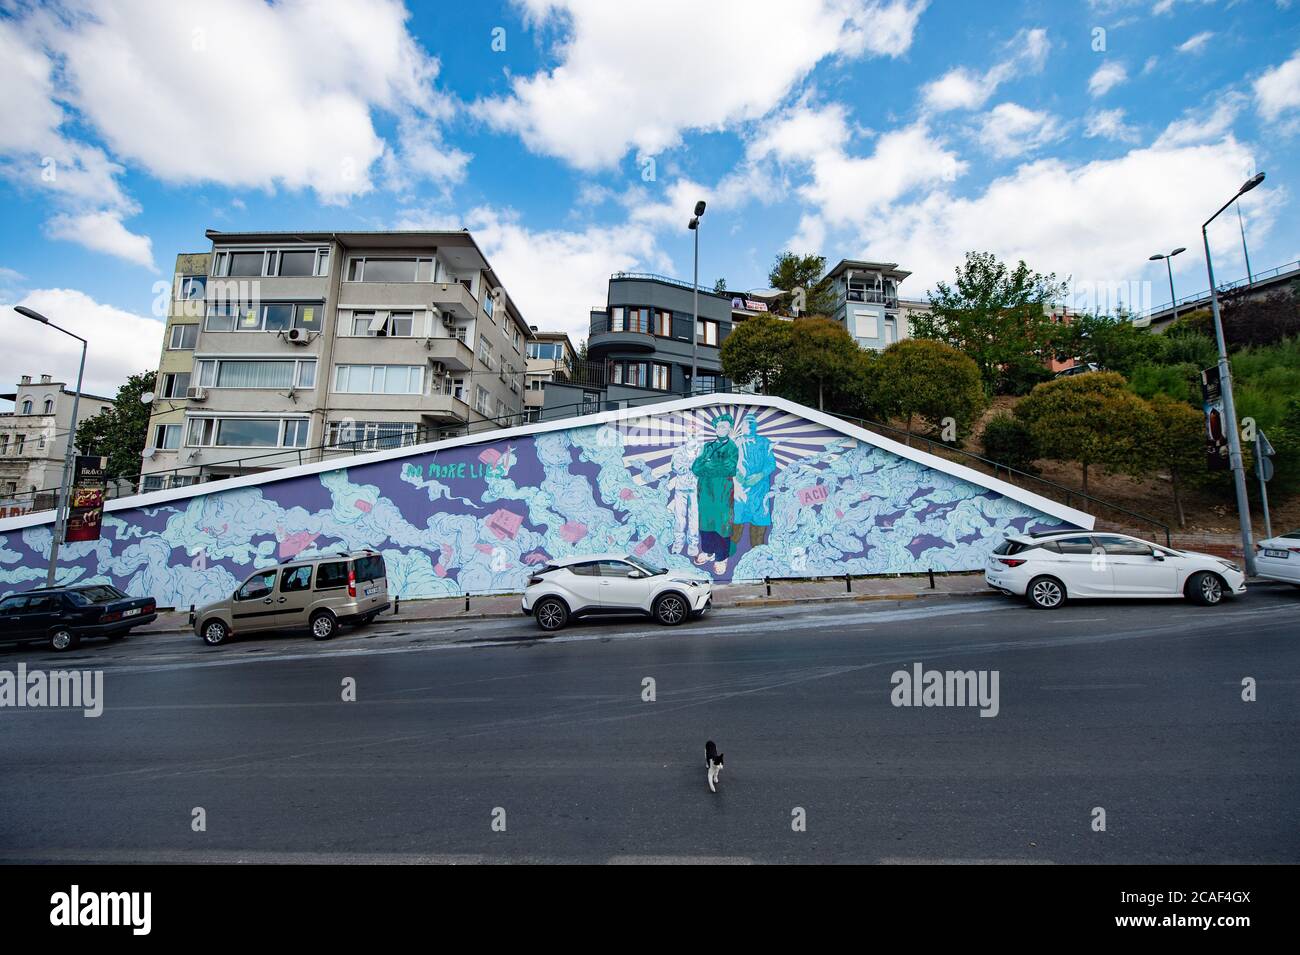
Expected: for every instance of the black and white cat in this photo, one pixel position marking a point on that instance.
(713, 760)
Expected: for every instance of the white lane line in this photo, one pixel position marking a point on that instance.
(1095, 686)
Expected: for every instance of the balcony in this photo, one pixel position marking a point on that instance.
(629, 334)
(872, 297)
(455, 299)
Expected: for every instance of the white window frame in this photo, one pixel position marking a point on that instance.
(420, 369)
(210, 426)
(207, 368)
(160, 432)
(271, 260)
(180, 327)
(419, 260)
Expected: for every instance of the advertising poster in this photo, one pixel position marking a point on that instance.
(87, 503)
(1216, 434)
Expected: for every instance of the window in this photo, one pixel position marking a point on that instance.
(379, 379)
(247, 432)
(175, 384)
(183, 337)
(485, 352)
(332, 575)
(369, 568)
(257, 586)
(295, 579)
(287, 262)
(707, 384)
(664, 324)
(256, 373)
(19, 443)
(366, 269)
(536, 384)
(631, 373)
(244, 263)
(372, 435)
(48, 406)
(40, 441)
(27, 406)
(387, 325)
(456, 388)
(706, 332)
(167, 437)
(1122, 547)
(631, 319)
(297, 262)
(663, 377)
(276, 317)
(1075, 545)
(867, 325)
(482, 401)
(4, 444)
(190, 288)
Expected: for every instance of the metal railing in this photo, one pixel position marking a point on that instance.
(667, 280)
(1237, 285)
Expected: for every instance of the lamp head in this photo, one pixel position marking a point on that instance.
(1251, 183)
(699, 207)
(694, 223)
(31, 313)
(1177, 250)
(1155, 258)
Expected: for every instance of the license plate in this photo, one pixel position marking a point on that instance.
(370, 591)
(131, 613)
(1280, 554)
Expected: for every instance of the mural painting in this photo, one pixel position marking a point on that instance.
(731, 490)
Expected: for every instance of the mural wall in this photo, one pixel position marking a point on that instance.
(730, 491)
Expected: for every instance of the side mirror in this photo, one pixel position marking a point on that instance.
(634, 575)
(1156, 555)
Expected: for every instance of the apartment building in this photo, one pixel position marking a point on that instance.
(639, 346)
(34, 440)
(550, 355)
(867, 303)
(348, 340)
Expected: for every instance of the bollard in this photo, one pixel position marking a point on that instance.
(467, 603)
(932, 578)
(848, 584)
(767, 581)
(397, 605)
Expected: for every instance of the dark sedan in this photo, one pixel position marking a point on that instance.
(60, 617)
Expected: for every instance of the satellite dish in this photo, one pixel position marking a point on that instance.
(147, 453)
(146, 398)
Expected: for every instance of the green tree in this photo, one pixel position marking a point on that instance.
(824, 367)
(931, 381)
(1178, 444)
(1093, 420)
(999, 316)
(791, 271)
(755, 351)
(720, 286)
(119, 432)
(1111, 343)
(1008, 441)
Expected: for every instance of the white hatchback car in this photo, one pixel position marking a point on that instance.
(1054, 567)
(1278, 558)
(613, 584)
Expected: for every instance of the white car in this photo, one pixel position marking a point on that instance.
(1278, 558)
(613, 584)
(1054, 567)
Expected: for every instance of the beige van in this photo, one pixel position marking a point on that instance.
(317, 594)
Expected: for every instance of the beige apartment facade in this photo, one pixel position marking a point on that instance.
(354, 341)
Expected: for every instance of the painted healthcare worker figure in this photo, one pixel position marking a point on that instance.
(753, 484)
(683, 488)
(716, 467)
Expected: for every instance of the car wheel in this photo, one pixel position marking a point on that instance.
(323, 625)
(214, 633)
(1046, 593)
(61, 639)
(671, 609)
(1206, 589)
(551, 613)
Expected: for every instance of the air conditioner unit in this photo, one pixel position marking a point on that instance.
(299, 336)
(438, 367)
(196, 394)
(448, 320)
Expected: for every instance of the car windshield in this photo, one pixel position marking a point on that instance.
(98, 594)
(645, 565)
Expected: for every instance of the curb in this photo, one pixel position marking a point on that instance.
(387, 621)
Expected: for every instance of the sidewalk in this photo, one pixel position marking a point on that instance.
(724, 595)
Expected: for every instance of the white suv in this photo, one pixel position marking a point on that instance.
(612, 584)
(1052, 568)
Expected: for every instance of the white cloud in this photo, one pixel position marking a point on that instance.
(555, 277)
(961, 88)
(1107, 76)
(120, 343)
(103, 232)
(1200, 126)
(1108, 124)
(1010, 129)
(1195, 44)
(845, 188)
(247, 94)
(1097, 221)
(1278, 90)
(603, 99)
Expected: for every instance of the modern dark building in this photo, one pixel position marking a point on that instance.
(639, 346)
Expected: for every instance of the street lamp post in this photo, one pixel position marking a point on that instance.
(694, 226)
(1225, 383)
(61, 508)
(1173, 302)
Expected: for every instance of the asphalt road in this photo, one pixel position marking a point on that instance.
(1132, 707)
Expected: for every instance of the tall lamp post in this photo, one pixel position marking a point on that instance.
(61, 509)
(1173, 302)
(1225, 383)
(694, 226)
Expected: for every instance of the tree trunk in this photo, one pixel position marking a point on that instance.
(819, 395)
(1085, 477)
(1178, 501)
(909, 430)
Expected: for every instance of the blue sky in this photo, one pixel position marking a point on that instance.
(573, 137)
